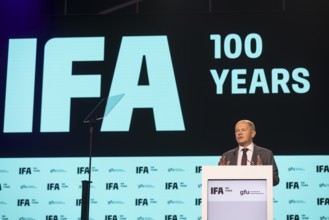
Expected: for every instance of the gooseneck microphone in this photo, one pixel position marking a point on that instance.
(223, 162)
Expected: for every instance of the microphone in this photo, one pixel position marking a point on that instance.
(223, 162)
(251, 162)
(102, 110)
(259, 161)
(94, 115)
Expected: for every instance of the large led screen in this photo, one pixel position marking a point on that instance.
(157, 91)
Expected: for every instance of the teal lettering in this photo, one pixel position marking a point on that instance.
(18, 115)
(236, 81)
(258, 81)
(305, 84)
(59, 85)
(280, 78)
(219, 81)
(161, 94)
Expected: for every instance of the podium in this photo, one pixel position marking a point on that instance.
(237, 192)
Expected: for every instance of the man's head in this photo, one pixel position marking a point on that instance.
(245, 131)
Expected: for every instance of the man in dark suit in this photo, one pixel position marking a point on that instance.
(247, 153)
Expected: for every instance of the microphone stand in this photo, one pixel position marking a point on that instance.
(86, 183)
(91, 120)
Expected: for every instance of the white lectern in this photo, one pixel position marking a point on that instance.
(237, 192)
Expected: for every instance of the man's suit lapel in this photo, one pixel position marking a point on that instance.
(255, 154)
(235, 156)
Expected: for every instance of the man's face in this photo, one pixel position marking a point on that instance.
(244, 134)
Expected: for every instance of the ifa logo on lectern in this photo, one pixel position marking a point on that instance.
(216, 190)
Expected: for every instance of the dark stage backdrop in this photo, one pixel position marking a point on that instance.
(185, 81)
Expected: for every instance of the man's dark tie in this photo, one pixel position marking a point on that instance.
(244, 156)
